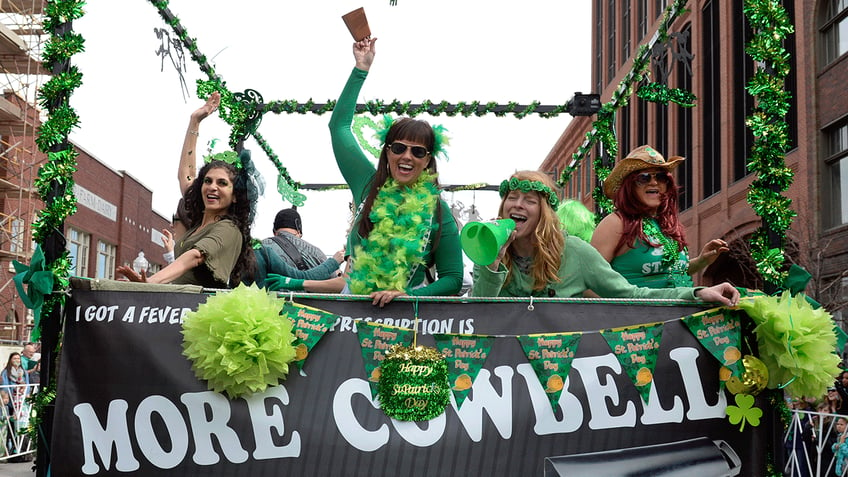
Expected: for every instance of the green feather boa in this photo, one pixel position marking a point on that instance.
(397, 244)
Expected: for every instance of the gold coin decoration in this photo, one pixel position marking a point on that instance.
(754, 379)
(731, 355)
(644, 377)
(462, 382)
(555, 384)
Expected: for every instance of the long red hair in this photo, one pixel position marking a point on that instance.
(631, 211)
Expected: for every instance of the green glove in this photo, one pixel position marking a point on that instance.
(276, 282)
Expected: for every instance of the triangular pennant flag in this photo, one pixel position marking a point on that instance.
(551, 356)
(719, 331)
(465, 355)
(309, 325)
(375, 340)
(636, 348)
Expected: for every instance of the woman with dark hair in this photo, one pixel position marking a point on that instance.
(539, 259)
(644, 239)
(215, 250)
(15, 380)
(402, 225)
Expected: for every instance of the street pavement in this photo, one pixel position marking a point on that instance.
(23, 469)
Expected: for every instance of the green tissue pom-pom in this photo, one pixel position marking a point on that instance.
(238, 342)
(796, 342)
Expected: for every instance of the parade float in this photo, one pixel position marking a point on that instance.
(149, 380)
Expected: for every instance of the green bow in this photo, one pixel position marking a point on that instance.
(40, 283)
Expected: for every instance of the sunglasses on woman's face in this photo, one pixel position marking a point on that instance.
(417, 151)
(645, 178)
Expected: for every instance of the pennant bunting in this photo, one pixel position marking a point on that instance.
(375, 340)
(465, 355)
(719, 331)
(310, 325)
(551, 356)
(636, 348)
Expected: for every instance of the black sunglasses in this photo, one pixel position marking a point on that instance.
(646, 177)
(400, 148)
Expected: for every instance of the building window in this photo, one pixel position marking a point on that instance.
(78, 243)
(834, 30)
(836, 160)
(684, 136)
(16, 244)
(643, 19)
(624, 130)
(611, 64)
(710, 100)
(659, 7)
(642, 121)
(625, 30)
(599, 46)
(105, 260)
(743, 103)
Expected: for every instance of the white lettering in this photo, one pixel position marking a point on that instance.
(149, 444)
(346, 422)
(263, 423)
(95, 437)
(217, 407)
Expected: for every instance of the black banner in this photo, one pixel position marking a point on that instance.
(129, 403)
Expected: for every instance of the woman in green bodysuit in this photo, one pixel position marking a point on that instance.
(644, 240)
(402, 225)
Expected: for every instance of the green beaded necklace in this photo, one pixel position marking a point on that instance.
(677, 273)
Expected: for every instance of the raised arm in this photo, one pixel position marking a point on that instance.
(352, 161)
(188, 157)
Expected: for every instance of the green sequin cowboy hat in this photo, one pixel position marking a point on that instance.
(643, 157)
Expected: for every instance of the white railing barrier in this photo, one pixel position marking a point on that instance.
(807, 445)
(14, 422)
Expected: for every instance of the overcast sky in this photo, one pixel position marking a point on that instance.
(134, 115)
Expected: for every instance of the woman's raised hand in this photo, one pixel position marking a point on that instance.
(212, 103)
(363, 52)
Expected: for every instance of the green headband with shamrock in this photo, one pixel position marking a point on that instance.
(526, 186)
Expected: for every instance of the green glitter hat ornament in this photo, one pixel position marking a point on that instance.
(414, 384)
(440, 137)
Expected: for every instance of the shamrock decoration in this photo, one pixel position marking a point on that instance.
(360, 123)
(744, 411)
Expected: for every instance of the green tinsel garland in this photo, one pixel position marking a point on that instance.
(767, 123)
(603, 130)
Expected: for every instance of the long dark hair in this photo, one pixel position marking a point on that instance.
(632, 210)
(404, 129)
(239, 213)
(8, 367)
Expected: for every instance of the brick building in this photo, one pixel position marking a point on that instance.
(706, 55)
(115, 220)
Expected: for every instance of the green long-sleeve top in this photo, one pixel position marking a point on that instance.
(358, 172)
(582, 268)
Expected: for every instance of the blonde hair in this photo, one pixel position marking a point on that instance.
(548, 240)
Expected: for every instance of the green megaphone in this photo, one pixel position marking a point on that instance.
(482, 241)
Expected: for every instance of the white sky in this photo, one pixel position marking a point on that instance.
(134, 116)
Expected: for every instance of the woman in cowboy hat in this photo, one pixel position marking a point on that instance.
(644, 240)
(539, 259)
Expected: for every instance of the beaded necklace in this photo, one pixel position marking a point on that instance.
(677, 269)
